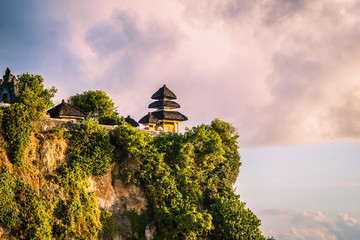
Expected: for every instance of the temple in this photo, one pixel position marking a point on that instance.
(165, 118)
(9, 89)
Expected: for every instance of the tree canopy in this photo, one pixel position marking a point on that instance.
(34, 95)
(97, 105)
(188, 179)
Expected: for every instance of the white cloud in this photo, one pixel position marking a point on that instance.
(283, 71)
(316, 226)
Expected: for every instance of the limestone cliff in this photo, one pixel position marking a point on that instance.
(114, 196)
(70, 180)
(43, 157)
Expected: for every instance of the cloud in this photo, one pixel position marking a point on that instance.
(123, 32)
(277, 211)
(317, 226)
(347, 113)
(283, 71)
(279, 10)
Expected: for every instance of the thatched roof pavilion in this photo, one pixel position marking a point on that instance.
(65, 110)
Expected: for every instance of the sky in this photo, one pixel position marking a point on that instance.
(284, 72)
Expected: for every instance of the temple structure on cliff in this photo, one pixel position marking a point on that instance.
(164, 118)
(9, 88)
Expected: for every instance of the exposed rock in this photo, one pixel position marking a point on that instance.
(114, 196)
(48, 154)
(150, 231)
(4, 233)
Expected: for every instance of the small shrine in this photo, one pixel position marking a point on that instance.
(165, 118)
(9, 88)
(131, 121)
(66, 111)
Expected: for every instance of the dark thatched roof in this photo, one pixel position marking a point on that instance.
(164, 103)
(65, 110)
(131, 121)
(149, 118)
(169, 115)
(162, 93)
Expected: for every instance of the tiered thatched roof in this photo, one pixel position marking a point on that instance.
(162, 93)
(149, 118)
(164, 103)
(170, 115)
(164, 107)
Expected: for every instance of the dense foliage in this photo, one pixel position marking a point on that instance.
(90, 154)
(187, 178)
(15, 120)
(15, 131)
(97, 105)
(34, 95)
(62, 207)
(90, 150)
(22, 210)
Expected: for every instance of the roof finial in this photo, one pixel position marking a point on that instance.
(63, 101)
(164, 85)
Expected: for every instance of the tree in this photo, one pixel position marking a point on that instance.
(96, 104)
(34, 95)
(231, 219)
(16, 120)
(229, 169)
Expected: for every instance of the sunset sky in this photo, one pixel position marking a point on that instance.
(286, 73)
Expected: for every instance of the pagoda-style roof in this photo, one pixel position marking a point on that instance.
(169, 115)
(162, 93)
(149, 118)
(65, 110)
(164, 103)
(131, 121)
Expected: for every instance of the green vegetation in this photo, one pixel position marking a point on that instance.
(90, 154)
(16, 120)
(34, 95)
(22, 210)
(187, 178)
(97, 105)
(138, 222)
(108, 225)
(15, 131)
(90, 150)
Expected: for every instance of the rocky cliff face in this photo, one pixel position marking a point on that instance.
(114, 196)
(45, 154)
